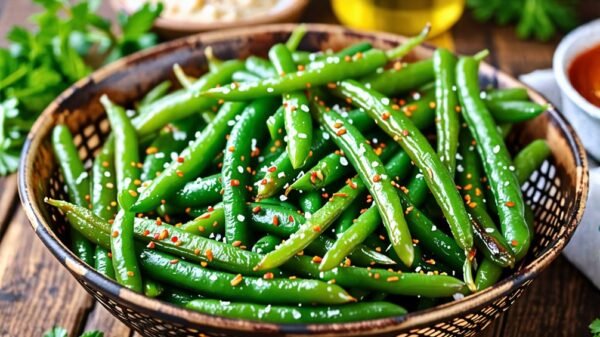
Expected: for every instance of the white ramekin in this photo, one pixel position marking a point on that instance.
(584, 116)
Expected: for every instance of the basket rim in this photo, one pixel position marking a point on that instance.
(167, 311)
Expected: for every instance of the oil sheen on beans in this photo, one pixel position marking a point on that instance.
(584, 74)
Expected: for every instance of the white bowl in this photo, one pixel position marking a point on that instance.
(584, 116)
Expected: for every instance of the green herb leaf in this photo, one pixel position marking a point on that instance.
(595, 327)
(93, 334)
(56, 332)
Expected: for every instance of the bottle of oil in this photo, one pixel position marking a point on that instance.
(405, 17)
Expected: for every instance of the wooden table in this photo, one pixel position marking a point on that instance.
(37, 293)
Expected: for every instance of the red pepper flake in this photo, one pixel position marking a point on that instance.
(317, 228)
(133, 193)
(290, 218)
(300, 67)
(468, 187)
(201, 229)
(510, 204)
(268, 276)
(325, 195)
(397, 65)
(331, 85)
(180, 159)
(472, 204)
(163, 201)
(405, 132)
(457, 108)
(275, 220)
(432, 105)
(385, 116)
(197, 251)
(351, 183)
(203, 263)
(347, 58)
(514, 243)
(159, 221)
(179, 173)
(174, 239)
(209, 255)
(338, 125)
(256, 209)
(163, 234)
(106, 164)
(477, 191)
(263, 182)
(130, 273)
(231, 148)
(203, 216)
(340, 194)
(234, 182)
(472, 254)
(272, 169)
(347, 262)
(376, 276)
(317, 259)
(146, 232)
(341, 132)
(115, 234)
(376, 178)
(151, 245)
(236, 243)
(174, 261)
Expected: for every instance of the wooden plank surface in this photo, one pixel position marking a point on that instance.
(37, 293)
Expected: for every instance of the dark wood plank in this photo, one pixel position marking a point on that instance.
(561, 302)
(36, 292)
(8, 201)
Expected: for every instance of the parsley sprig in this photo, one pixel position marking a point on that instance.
(61, 332)
(69, 41)
(540, 19)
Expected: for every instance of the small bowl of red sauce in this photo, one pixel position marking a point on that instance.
(577, 70)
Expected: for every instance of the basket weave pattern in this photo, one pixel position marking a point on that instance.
(556, 193)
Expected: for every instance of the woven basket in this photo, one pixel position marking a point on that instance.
(557, 191)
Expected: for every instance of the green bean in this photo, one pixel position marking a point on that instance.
(530, 158)
(155, 94)
(208, 223)
(199, 192)
(310, 202)
(487, 237)
(235, 176)
(127, 271)
(185, 102)
(401, 79)
(366, 223)
(496, 159)
(171, 139)
(164, 237)
(415, 144)
(266, 244)
(507, 94)
(166, 268)
(77, 185)
(295, 315)
(446, 105)
(397, 283)
(103, 262)
(298, 121)
(152, 289)
(514, 111)
(192, 160)
(375, 177)
(244, 76)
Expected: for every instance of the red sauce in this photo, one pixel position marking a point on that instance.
(584, 73)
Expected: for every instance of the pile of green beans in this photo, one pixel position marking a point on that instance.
(309, 187)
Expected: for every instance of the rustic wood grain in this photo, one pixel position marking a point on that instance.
(36, 292)
(8, 201)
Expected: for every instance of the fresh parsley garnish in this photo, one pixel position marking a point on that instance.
(540, 19)
(595, 327)
(69, 41)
